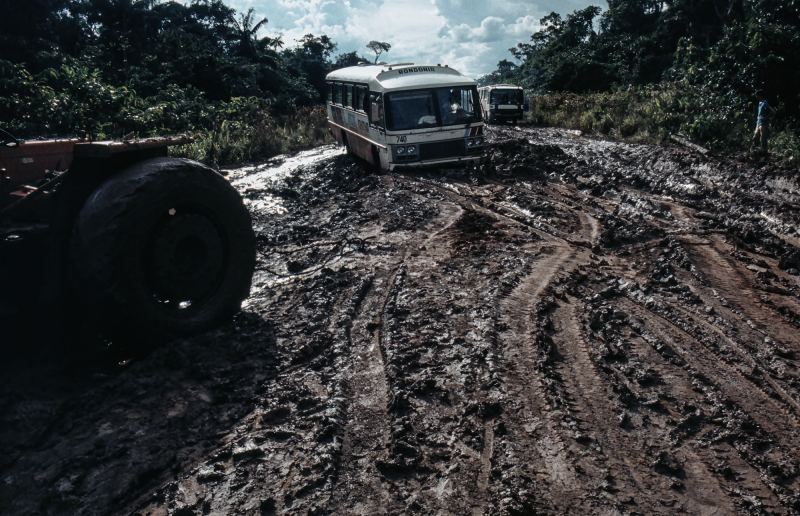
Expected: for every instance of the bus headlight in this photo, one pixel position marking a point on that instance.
(411, 149)
(470, 143)
(401, 150)
(479, 141)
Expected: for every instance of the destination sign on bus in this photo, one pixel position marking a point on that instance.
(418, 69)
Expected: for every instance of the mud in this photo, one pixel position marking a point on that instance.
(580, 327)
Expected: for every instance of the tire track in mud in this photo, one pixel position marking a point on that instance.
(721, 462)
(751, 398)
(715, 473)
(517, 313)
(546, 227)
(366, 485)
(483, 485)
(529, 412)
(730, 283)
(756, 338)
(416, 472)
(608, 454)
(515, 308)
(366, 433)
(468, 199)
(525, 386)
(406, 467)
(702, 491)
(744, 359)
(623, 459)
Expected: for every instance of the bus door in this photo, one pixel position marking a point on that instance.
(376, 112)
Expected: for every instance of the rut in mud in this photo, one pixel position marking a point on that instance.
(580, 327)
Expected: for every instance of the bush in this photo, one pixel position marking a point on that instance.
(259, 136)
(648, 113)
(652, 113)
(75, 101)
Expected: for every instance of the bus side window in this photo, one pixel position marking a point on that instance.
(361, 93)
(349, 100)
(376, 110)
(337, 93)
(329, 87)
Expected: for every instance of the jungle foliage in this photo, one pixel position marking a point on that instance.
(105, 68)
(704, 58)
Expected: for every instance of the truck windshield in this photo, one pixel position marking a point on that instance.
(419, 109)
(506, 97)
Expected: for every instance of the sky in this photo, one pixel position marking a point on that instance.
(471, 36)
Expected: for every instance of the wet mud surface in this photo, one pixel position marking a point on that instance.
(580, 327)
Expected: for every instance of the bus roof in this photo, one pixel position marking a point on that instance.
(401, 77)
(507, 86)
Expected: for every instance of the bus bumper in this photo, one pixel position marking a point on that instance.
(457, 162)
(505, 115)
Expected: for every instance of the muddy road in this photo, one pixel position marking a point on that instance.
(580, 327)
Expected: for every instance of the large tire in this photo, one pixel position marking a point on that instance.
(164, 248)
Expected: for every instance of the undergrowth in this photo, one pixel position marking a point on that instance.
(257, 136)
(655, 112)
(73, 100)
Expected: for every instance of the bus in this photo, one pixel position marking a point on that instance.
(406, 116)
(502, 103)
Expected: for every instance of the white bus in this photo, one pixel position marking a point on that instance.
(398, 116)
(502, 103)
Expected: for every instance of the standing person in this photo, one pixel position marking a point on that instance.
(765, 112)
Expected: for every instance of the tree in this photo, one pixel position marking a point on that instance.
(505, 73)
(348, 59)
(378, 47)
(30, 27)
(309, 63)
(246, 32)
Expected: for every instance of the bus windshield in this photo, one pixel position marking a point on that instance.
(506, 97)
(419, 109)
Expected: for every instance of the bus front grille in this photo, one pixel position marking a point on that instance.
(439, 150)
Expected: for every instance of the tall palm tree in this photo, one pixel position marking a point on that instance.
(246, 32)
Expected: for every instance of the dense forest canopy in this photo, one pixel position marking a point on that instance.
(104, 68)
(753, 43)
(714, 53)
(111, 66)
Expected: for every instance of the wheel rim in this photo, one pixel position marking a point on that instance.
(185, 259)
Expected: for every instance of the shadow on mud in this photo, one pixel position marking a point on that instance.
(83, 411)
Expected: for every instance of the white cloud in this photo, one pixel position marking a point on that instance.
(469, 35)
(524, 27)
(490, 29)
